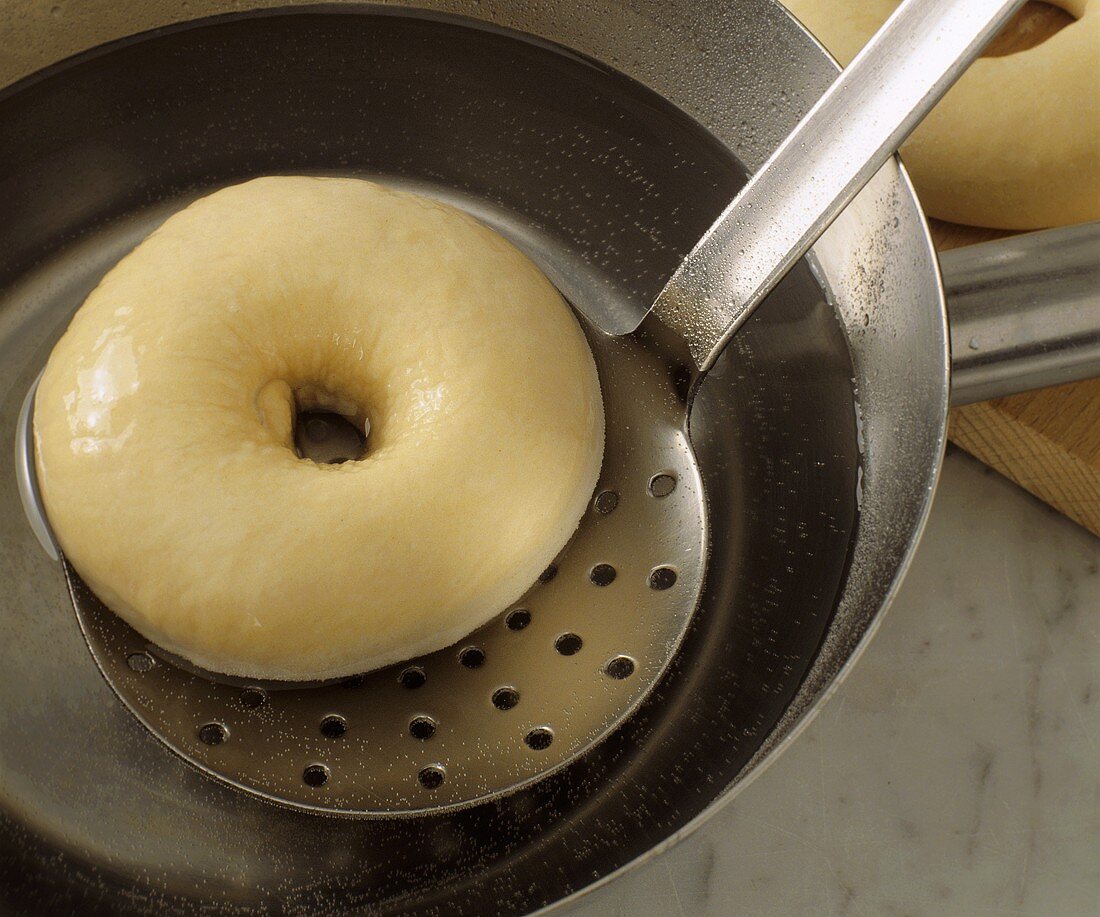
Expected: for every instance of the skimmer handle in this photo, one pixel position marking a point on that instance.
(832, 153)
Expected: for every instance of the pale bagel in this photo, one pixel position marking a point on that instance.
(1015, 144)
(163, 429)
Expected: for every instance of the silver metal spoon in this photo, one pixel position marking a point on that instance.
(843, 140)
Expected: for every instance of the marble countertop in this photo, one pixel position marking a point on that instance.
(956, 771)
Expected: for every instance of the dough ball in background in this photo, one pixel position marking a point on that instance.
(1015, 144)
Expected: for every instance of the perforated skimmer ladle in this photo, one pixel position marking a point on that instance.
(555, 673)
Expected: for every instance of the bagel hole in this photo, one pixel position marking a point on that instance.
(328, 438)
(1033, 24)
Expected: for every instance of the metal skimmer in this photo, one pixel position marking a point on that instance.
(551, 676)
(541, 683)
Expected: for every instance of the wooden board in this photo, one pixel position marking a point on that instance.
(1048, 441)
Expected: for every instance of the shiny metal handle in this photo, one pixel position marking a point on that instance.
(1025, 312)
(835, 149)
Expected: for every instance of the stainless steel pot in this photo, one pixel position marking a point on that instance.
(605, 143)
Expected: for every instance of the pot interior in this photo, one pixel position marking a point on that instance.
(606, 185)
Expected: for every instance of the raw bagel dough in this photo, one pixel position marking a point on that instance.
(1015, 144)
(164, 424)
